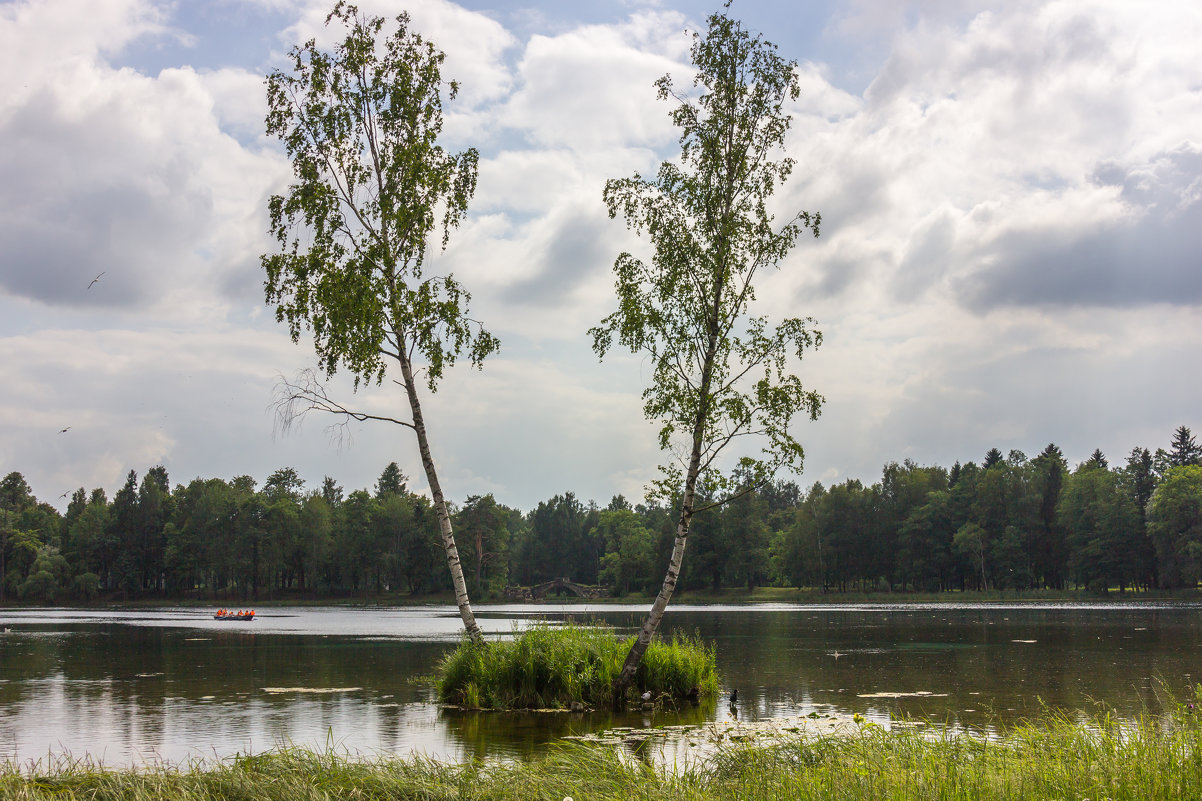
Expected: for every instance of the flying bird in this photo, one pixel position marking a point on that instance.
(65, 430)
(97, 278)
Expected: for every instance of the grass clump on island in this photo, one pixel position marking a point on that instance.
(1154, 758)
(554, 667)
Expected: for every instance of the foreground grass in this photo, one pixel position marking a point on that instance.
(555, 666)
(1051, 759)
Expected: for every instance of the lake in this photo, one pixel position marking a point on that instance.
(129, 686)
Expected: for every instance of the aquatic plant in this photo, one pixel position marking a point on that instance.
(548, 666)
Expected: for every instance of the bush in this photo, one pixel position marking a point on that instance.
(549, 666)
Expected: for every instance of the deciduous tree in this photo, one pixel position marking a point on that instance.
(1175, 523)
(372, 187)
(719, 373)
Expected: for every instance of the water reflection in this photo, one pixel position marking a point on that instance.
(127, 686)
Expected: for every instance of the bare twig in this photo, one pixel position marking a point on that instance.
(293, 399)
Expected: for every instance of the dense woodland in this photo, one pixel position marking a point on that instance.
(1010, 522)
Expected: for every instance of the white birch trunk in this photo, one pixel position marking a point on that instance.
(440, 504)
(651, 625)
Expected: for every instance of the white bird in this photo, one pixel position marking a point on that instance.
(97, 278)
(647, 696)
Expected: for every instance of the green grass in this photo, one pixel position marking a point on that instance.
(1051, 759)
(1054, 758)
(553, 666)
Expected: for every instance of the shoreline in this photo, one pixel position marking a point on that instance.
(1048, 758)
(763, 595)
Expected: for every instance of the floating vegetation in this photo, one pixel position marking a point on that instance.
(918, 694)
(310, 690)
(701, 740)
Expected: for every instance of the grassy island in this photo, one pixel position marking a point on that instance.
(554, 667)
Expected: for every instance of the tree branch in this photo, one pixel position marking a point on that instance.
(293, 399)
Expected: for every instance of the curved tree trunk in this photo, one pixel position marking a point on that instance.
(651, 625)
(635, 656)
(440, 504)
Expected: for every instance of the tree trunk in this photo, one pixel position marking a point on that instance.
(440, 505)
(651, 625)
(635, 656)
(479, 558)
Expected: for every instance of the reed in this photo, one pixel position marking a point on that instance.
(552, 667)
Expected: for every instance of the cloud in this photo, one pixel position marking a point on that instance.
(576, 250)
(133, 399)
(592, 86)
(1008, 249)
(109, 171)
(1038, 155)
(1149, 255)
(39, 34)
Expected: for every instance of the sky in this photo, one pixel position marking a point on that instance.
(1010, 252)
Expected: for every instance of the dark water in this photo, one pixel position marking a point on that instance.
(135, 686)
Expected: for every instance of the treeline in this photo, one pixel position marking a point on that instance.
(1011, 522)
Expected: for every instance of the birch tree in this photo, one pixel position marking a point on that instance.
(720, 375)
(374, 191)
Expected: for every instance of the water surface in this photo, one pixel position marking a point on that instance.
(131, 686)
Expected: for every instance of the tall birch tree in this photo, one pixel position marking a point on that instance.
(720, 374)
(372, 187)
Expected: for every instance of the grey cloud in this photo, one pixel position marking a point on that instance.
(860, 193)
(576, 251)
(1025, 53)
(1155, 256)
(243, 280)
(79, 197)
(837, 275)
(926, 259)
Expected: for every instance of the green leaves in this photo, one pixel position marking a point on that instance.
(371, 187)
(718, 374)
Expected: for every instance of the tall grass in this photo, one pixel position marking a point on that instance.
(1055, 758)
(553, 666)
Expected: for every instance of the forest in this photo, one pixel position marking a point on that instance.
(1009, 523)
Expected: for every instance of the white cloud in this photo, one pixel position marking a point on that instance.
(36, 37)
(592, 86)
(1006, 163)
(109, 171)
(978, 150)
